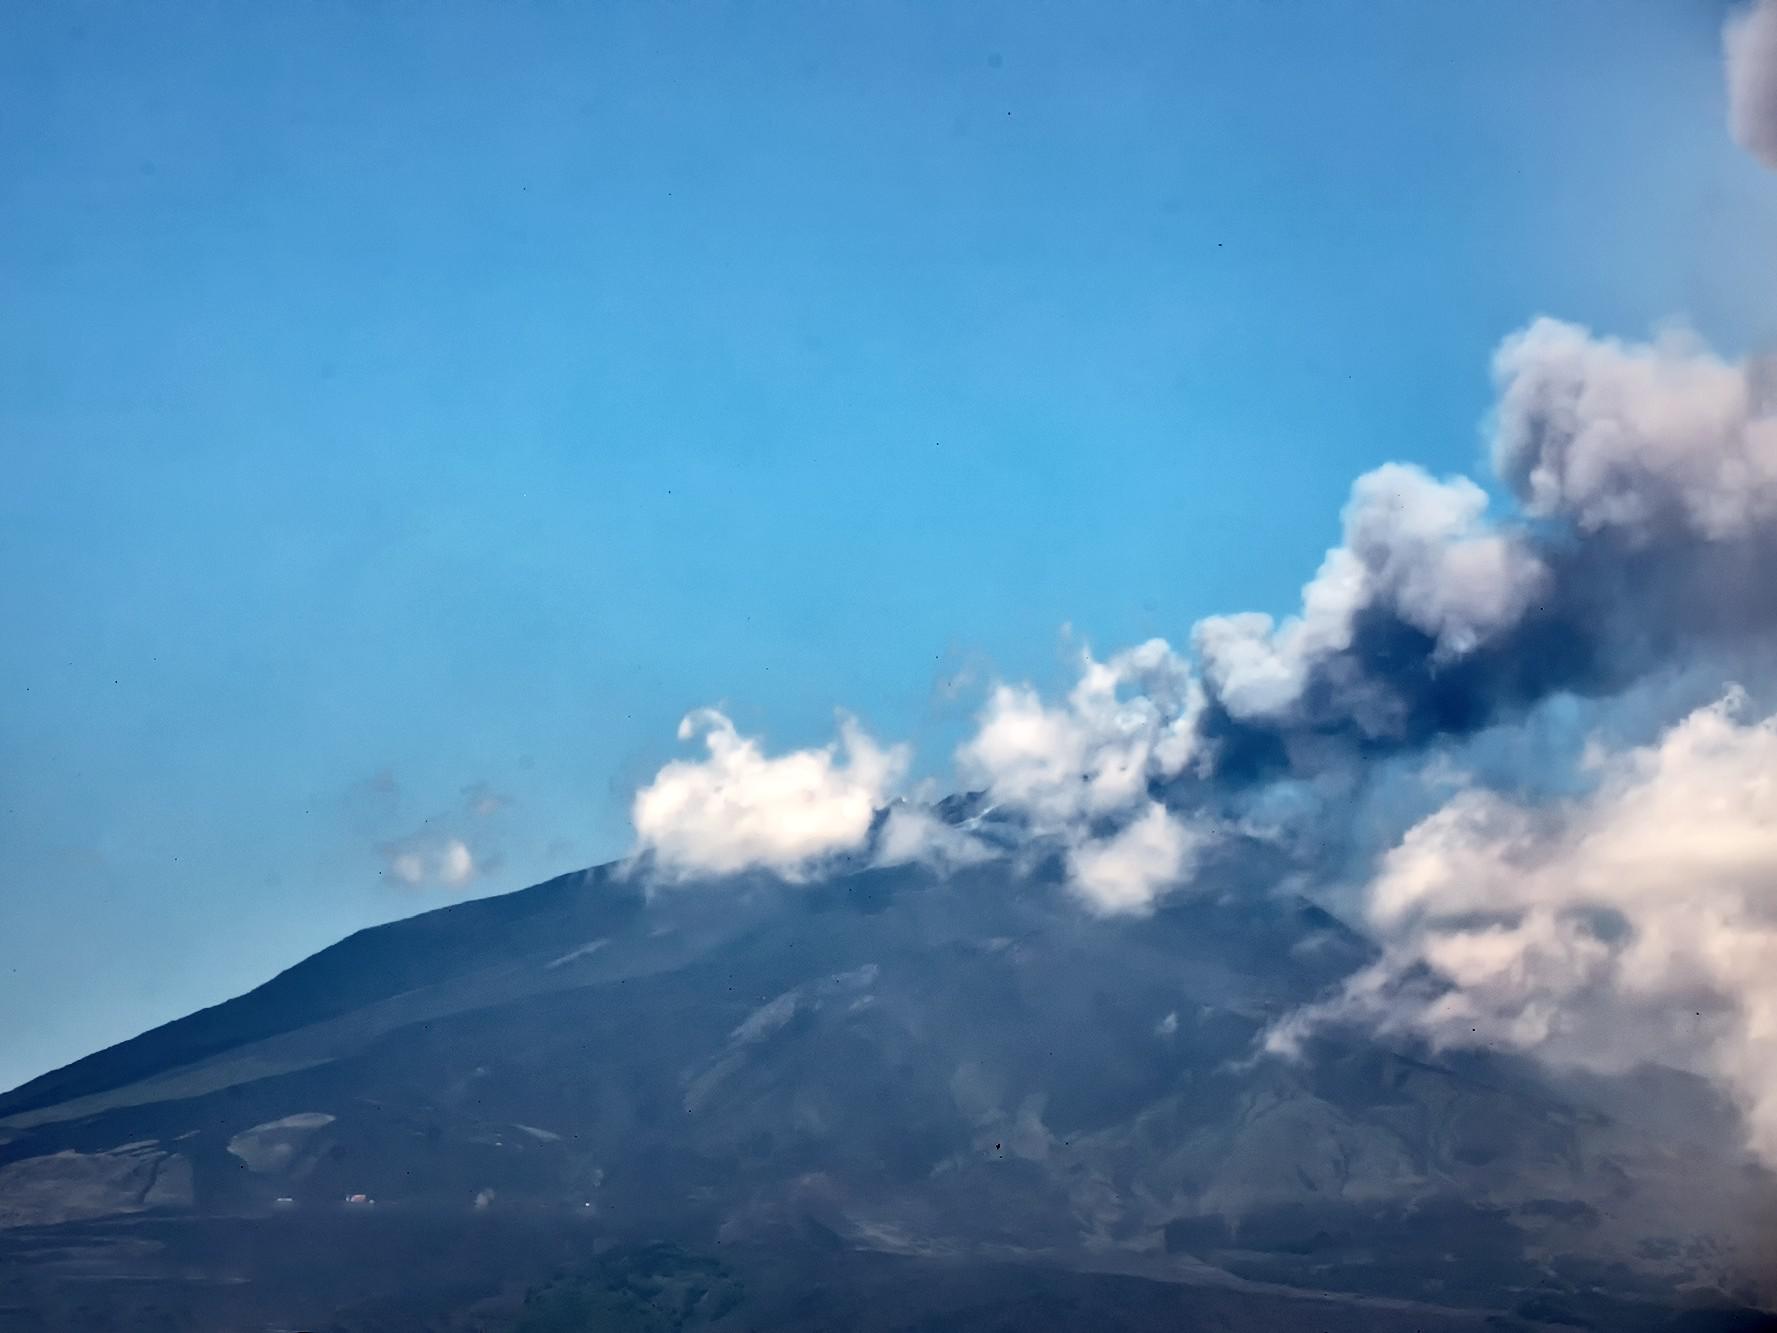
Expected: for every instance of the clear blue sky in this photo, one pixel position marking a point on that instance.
(401, 397)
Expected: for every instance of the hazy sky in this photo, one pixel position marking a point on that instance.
(409, 411)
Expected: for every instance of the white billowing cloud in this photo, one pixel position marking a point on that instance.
(1080, 770)
(456, 864)
(1129, 869)
(741, 809)
(1750, 45)
(1095, 753)
(1636, 923)
(1420, 547)
(1425, 548)
(1649, 440)
(425, 861)
(1077, 772)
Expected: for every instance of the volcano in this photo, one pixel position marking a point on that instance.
(885, 1099)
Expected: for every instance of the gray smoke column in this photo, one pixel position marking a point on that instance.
(1624, 915)
(1646, 478)
(1750, 46)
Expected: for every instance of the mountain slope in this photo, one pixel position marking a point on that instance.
(958, 1071)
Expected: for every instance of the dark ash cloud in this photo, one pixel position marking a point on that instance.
(1647, 480)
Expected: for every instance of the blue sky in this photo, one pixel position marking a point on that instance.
(397, 400)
